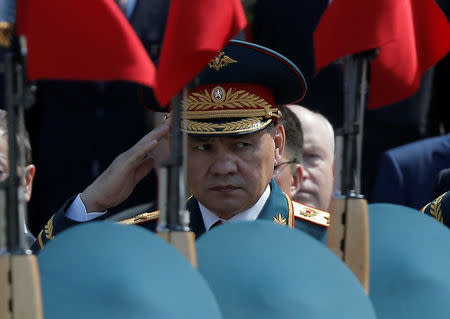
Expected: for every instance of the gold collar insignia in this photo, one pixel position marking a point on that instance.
(48, 229)
(279, 219)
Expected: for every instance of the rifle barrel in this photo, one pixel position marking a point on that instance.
(356, 70)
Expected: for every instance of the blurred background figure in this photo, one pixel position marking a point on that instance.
(4, 163)
(288, 173)
(408, 174)
(317, 184)
(442, 183)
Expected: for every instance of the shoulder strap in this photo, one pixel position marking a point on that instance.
(311, 214)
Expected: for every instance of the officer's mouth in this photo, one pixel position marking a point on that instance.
(224, 188)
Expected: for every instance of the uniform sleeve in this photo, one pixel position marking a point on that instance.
(59, 222)
(77, 211)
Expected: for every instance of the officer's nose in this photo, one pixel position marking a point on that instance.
(224, 164)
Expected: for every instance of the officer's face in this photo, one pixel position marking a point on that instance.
(229, 174)
(4, 167)
(288, 175)
(317, 184)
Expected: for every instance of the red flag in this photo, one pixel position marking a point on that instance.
(196, 30)
(412, 36)
(82, 40)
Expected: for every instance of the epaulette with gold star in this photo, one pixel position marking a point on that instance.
(141, 218)
(311, 214)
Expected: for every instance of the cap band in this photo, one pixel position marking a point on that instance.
(242, 126)
(230, 100)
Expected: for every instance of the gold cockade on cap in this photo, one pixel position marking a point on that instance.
(220, 60)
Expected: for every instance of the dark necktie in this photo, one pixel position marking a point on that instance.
(217, 223)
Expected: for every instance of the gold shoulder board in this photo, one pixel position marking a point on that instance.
(141, 218)
(311, 214)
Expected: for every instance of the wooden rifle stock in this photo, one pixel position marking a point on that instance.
(184, 242)
(348, 235)
(20, 288)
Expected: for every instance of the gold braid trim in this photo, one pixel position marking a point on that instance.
(48, 229)
(290, 210)
(237, 99)
(199, 115)
(40, 242)
(141, 218)
(435, 209)
(240, 126)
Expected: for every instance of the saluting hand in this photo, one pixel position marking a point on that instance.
(117, 182)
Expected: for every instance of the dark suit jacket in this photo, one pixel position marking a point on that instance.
(407, 174)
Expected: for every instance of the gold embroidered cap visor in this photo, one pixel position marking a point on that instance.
(239, 90)
(228, 109)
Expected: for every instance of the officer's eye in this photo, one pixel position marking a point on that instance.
(242, 144)
(202, 147)
(312, 159)
(313, 156)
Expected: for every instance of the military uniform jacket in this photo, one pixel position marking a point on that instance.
(279, 208)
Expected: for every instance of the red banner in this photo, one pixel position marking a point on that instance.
(82, 40)
(196, 30)
(411, 35)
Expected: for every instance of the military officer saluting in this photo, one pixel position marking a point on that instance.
(234, 142)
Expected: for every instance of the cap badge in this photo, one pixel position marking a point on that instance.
(279, 219)
(218, 94)
(221, 60)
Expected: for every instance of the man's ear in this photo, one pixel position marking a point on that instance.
(30, 170)
(296, 181)
(279, 138)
